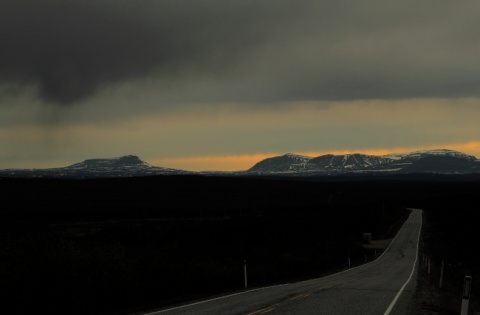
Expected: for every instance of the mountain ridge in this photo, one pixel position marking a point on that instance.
(329, 164)
(441, 161)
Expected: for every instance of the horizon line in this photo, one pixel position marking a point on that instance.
(242, 162)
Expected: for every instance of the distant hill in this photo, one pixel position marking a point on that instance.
(124, 166)
(441, 161)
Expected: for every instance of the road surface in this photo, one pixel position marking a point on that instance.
(382, 286)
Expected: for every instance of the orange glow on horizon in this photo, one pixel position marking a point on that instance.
(246, 161)
(212, 163)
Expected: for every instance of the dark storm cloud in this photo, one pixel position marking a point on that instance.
(243, 50)
(70, 48)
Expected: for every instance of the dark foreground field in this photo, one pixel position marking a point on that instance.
(118, 246)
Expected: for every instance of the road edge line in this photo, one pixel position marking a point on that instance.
(279, 285)
(395, 299)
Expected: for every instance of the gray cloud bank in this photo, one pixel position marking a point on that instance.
(242, 50)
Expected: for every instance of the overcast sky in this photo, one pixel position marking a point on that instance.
(221, 85)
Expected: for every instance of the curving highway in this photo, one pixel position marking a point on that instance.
(382, 286)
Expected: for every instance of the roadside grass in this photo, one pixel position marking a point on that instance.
(441, 269)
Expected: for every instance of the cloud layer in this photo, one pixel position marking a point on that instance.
(69, 49)
(244, 51)
(191, 83)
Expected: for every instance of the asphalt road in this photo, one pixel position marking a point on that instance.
(382, 286)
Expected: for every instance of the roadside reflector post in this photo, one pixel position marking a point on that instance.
(441, 275)
(245, 271)
(467, 286)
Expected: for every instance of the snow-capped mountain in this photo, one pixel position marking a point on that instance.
(355, 161)
(285, 163)
(413, 156)
(124, 166)
(439, 161)
(426, 161)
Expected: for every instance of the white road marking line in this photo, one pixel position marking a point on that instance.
(214, 299)
(390, 307)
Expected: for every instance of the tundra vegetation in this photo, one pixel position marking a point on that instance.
(118, 246)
